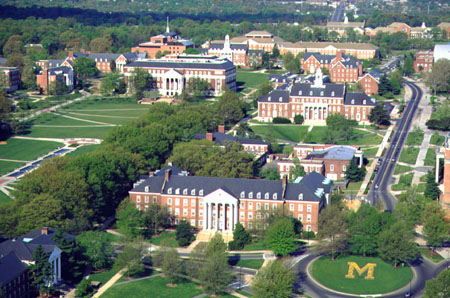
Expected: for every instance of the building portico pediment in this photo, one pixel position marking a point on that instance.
(220, 196)
(174, 74)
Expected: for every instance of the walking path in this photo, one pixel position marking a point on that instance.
(109, 283)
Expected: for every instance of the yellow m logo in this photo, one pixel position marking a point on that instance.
(369, 267)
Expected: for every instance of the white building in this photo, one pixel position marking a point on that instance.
(441, 51)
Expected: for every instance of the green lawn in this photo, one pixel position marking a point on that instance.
(68, 132)
(430, 158)
(370, 151)
(353, 187)
(409, 155)
(118, 112)
(23, 149)
(9, 166)
(251, 263)
(332, 274)
(318, 134)
(83, 149)
(421, 187)
(429, 254)
(250, 80)
(400, 169)
(103, 276)
(169, 235)
(155, 287)
(100, 118)
(293, 133)
(54, 119)
(404, 182)
(415, 138)
(4, 198)
(256, 245)
(97, 103)
(437, 139)
(245, 293)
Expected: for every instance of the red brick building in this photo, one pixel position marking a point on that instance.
(14, 277)
(107, 62)
(63, 74)
(445, 185)
(369, 81)
(424, 61)
(315, 102)
(12, 77)
(217, 204)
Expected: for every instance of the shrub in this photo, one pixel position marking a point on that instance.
(281, 120)
(298, 119)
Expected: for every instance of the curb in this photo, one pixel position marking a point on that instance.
(398, 291)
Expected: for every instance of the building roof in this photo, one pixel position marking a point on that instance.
(334, 152)
(255, 33)
(198, 64)
(275, 96)
(221, 138)
(443, 25)
(235, 186)
(323, 59)
(346, 24)
(10, 268)
(328, 90)
(337, 45)
(173, 171)
(358, 98)
(375, 73)
(3, 61)
(59, 70)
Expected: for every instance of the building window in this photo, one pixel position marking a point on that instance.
(177, 211)
(185, 212)
(300, 207)
(300, 217)
(185, 191)
(344, 168)
(169, 191)
(331, 167)
(192, 212)
(146, 199)
(185, 202)
(250, 205)
(155, 199)
(300, 197)
(250, 195)
(138, 199)
(177, 191)
(200, 193)
(242, 194)
(193, 203)
(193, 192)
(308, 228)
(258, 206)
(169, 201)
(308, 217)
(274, 196)
(193, 222)
(266, 196)
(250, 215)
(177, 202)
(200, 223)
(308, 208)
(291, 207)
(242, 215)
(258, 195)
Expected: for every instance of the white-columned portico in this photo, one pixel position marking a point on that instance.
(220, 210)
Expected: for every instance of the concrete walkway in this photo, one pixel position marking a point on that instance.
(109, 283)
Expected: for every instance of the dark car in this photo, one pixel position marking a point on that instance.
(376, 169)
(409, 294)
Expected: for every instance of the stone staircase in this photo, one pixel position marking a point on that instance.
(206, 235)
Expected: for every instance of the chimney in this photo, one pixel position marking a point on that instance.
(169, 163)
(71, 55)
(284, 181)
(44, 231)
(209, 136)
(221, 128)
(151, 174)
(167, 175)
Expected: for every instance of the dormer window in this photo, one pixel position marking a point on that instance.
(258, 195)
(250, 195)
(353, 101)
(266, 196)
(300, 92)
(193, 192)
(321, 93)
(177, 191)
(274, 196)
(185, 191)
(269, 99)
(280, 99)
(300, 197)
(364, 102)
(147, 189)
(169, 191)
(310, 92)
(242, 194)
(200, 193)
(332, 93)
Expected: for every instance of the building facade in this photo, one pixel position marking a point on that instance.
(11, 75)
(315, 102)
(217, 204)
(423, 62)
(369, 82)
(14, 277)
(47, 78)
(444, 154)
(172, 74)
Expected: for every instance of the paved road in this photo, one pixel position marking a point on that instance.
(383, 178)
(338, 15)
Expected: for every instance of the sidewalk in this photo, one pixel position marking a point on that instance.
(109, 283)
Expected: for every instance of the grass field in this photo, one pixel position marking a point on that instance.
(251, 263)
(353, 187)
(83, 149)
(421, 187)
(332, 274)
(429, 254)
(103, 276)
(437, 139)
(415, 138)
(68, 132)
(54, 119)
(293, 133)
(250, 80)
(22, 149)
(400, 169)
(245, 293)
(4, 198)
(318, 134)
(256, 245)
(370, 151)
(409, 155)
(100, 118)
(155, 287)
(9, 166)
(404, 182)
(430, 158)
(169, 235)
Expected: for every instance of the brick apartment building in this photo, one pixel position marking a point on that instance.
(12, 77)
(217, 204)
(315, 102)
(369, 81)
(329, 160)
(63, 74)
(412, 32)
(424, 61)
(14, 277)
(173, 73)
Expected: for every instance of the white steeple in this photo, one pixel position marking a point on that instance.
(423, 25)
(318, 81)
(226, 45)
(167, 27)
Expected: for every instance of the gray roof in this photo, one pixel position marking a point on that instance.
(173, 171)
(329, 90)
(233, 46)
(375, 73)
(63, 69)
(335, 152)
(275, 96)
(221, 138)
(54, 63)
(10, 268)
(357, 99)
(179, 64)
(235, 186)
(107, 57)
(323, 59)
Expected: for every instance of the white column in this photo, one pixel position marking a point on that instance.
(236, 218)
(232, 217)
(210, 216)
(436, 174)
(59, 268)
(217, 217)
(205, 216)
(225, 214)
(54, 272)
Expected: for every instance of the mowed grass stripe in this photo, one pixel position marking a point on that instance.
(98, 132)
(251, 80)
(23, 149)
(54, 119)
(104, 105)
(103, 119)
(293, 133)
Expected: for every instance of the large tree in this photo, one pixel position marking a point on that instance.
(129, 219)
(131, 258)
(410, 206)
(439, 286)
(432, 190)
(338, 127)
(97, 247)
(85, 67)
(281, 237)
(297, 170)
(273, 280)
(240, 237)
(156, 216)
(397, 245)
(379, 115)
(184, 233)
(41, 271)
(230, 107)
(140, 81)
(354, 173)
(439, 78)
(72, 259)
(333, 231)
(435, 230)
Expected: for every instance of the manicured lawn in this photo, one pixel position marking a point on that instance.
(97, 103)
(103, 276)
(386, 278)
(256, 245)
(155, 287)
(4, 198)
(318, 134)
(245, 293)
(145, 273)
(54, 119)
(100, 118)
(421, 187)
(430, 158)
(370, 151)
(126, 112)
(169, 235)
(400, 169)
(68, 132)
(415, 138)
(250, 80)
(83, 149)
(353, 187)
(9, 166)
(251, 263)
(423, 178)
(437, 139)
(429, 254)
(23, 149)
(409, 155)
(293, 133)
(404, 182)
(372, 139)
